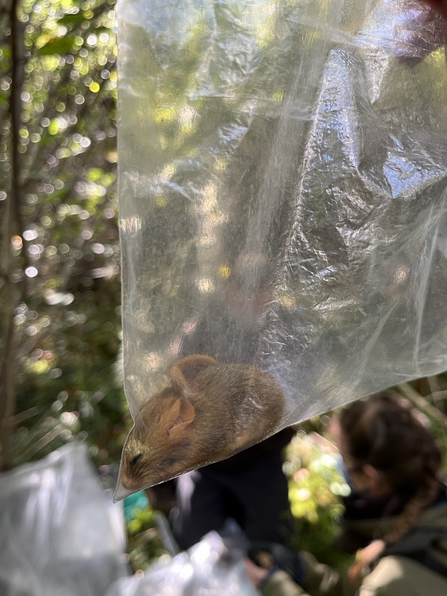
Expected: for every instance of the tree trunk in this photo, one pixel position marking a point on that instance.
(13, 227)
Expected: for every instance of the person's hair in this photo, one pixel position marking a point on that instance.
(383, 432)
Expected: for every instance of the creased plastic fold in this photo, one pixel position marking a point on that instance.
(282, 206)
(208, 567)
(60, 533)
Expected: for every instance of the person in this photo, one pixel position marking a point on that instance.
(395, 518)
(249, 488)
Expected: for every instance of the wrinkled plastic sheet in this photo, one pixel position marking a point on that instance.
(283, 194)
(206, 568)
(60, 533)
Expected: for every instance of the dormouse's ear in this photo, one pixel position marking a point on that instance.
(181, 414)
(175, 373)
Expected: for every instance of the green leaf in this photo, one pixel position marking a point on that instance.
(71, 19)
(61, 45)
(57, 194)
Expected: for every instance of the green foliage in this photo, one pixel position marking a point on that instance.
(64, 247)
(315, 490)
(142, 520)
(144, 543)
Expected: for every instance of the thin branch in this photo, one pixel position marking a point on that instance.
(437, 395)
(421, 402)
(43, 442)
(30, 413)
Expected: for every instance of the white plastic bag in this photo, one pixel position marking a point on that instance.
(282, 205)
(60, 534)
(207, 568)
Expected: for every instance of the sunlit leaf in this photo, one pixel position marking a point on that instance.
(58, 194)
(61, 45)
(71, 19)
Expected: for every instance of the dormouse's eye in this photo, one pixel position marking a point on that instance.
(135, 459)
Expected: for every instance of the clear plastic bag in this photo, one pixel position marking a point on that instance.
(207, 568)
(282, 206)
(60, 534)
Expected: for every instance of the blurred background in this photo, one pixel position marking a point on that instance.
(60, 333)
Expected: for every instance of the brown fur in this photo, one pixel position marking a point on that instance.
(209, 414)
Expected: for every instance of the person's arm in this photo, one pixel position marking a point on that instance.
(281, 584)
(317, 579)
(272, 582)
(322, 580)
